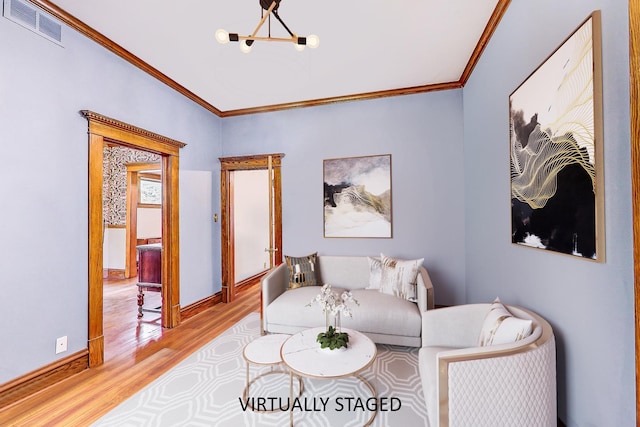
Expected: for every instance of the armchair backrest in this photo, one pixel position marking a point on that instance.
(519, 380)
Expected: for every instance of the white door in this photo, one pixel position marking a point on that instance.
(251, 222)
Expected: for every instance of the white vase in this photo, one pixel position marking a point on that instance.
(328, 350)
(332, 320)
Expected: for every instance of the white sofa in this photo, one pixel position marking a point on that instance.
(498, 385)
(386, 319)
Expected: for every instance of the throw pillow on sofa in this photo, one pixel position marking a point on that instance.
(302, 270)
(375, 272)
(398, 277)
(501, 327)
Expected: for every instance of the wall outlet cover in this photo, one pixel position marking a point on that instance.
(61, 344)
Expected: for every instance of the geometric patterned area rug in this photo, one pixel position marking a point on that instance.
(206, 389)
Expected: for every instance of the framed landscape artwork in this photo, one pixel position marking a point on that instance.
(555, 126)
(150, 190)
(357, 197)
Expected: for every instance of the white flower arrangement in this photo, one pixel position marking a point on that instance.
(332, 303)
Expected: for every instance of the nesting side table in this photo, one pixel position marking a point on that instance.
(265, 351)
(303, 356)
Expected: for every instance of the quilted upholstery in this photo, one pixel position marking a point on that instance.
(502, 385)
(484, 392)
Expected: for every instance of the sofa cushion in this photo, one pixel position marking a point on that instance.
(501, 327)
(375, 312)
(398, 277)
(383, 314)
(302, 270)
(296, 307)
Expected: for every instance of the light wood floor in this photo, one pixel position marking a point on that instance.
(122, 329)
(136, 352)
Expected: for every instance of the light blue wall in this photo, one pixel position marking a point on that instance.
(423, 134)
(590, 305)
(43, 183)
(450, 193)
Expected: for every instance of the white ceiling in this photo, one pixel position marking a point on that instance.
(365, 45)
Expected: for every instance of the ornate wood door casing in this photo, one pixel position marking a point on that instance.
(107, 130)
(227, 166)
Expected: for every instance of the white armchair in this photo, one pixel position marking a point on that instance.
(499, 385)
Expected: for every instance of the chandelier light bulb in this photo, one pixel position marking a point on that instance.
(246, 42)
(313, 41)
(222, 36)
(244, 47)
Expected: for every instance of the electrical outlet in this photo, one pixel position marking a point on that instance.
(61, 344)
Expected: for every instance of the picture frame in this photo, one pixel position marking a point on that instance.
(556, 147)
(149, 191)
(357, 197)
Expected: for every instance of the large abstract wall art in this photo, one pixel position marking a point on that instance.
(357, 197)
(556, 150)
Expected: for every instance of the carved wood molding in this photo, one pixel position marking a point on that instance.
(258, 161)
(107, 126)
(104, 129)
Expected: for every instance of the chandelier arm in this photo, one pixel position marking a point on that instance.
(275, 13)
(264, 18)
(269, 39)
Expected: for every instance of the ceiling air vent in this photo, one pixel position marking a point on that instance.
(29, 16)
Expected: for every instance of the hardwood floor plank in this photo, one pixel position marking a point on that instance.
(137, 356)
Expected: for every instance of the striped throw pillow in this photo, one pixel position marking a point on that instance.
(302, 270)
(501, 327)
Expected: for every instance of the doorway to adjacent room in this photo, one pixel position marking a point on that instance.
(132, 217)
(251, 200)
(104, 130)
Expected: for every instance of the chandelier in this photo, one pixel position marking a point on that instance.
(271, 8)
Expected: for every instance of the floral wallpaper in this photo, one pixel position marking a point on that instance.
(114, 186)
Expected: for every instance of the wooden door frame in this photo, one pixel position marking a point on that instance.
(104, 130)
(634, 99)
(133, 172)
(227, 166)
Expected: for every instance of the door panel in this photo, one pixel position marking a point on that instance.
(250, 222)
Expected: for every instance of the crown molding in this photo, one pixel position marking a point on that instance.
(495, 19)
(110, 45)
(344, 98)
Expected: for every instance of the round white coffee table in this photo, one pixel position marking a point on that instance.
(302, 354)
(264, 351)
